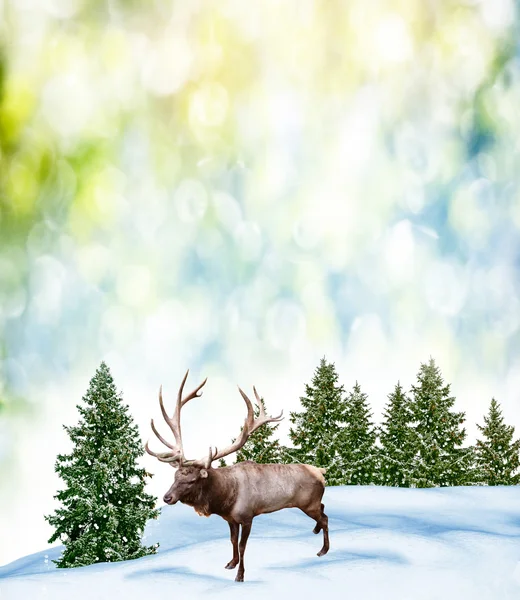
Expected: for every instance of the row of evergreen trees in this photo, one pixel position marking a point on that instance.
(104, 506)
(419, 443)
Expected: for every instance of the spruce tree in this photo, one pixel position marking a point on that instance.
(358, 451)
(105, 507)
(317, 429)
(440, 460)
(497, 455)
(397, 440)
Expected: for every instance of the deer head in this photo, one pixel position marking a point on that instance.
(192, 474)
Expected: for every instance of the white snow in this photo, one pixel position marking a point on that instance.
(386, 543)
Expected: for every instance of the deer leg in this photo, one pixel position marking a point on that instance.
(317, 529)
(233, 530)
(322, 522)
(325, 526)
(246, 530)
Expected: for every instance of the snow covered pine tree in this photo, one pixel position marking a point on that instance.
(497, 455)
(105, 507)
(397, 441)
(440, 460)
(316, 435)
(358, 452)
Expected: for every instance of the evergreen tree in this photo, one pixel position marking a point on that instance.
(358, 451)
(316, 431)
(261, 447)
(397, 441)
(440, 460)
(105, 507)
(497, 455)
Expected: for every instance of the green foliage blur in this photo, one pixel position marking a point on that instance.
(252, 175)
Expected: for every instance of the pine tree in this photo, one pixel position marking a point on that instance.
(105, 507)
(497, 455)
(261, 447)
(316, 431)
(440, 460)
(397, 441)
(358, 451)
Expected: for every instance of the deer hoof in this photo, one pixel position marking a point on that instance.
(239, 577)
(323, 551)
(317, 529)
(231, 564)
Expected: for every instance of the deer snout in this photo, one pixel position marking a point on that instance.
(168, 499)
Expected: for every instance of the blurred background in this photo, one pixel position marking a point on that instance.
(241, 188)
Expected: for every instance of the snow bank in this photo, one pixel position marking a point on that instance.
(386, 543)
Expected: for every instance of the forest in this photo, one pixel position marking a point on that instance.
(419, 443)
(181, 181)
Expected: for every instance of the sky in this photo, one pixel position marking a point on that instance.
(240, 190)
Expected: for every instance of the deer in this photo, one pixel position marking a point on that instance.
(241, 491)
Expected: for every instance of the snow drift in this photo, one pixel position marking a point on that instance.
(386, 543)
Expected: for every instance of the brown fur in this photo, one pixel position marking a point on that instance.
(242, 491)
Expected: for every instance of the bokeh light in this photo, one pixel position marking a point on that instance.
(241, 188)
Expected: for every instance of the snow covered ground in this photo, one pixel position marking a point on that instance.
(386, 543)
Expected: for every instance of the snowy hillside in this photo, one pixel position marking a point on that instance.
(386, 543)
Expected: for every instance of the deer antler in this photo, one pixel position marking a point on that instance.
(176, 454)
(250, 425)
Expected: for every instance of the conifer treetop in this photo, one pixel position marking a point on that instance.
(397, 440)
(104, 505)
(316, 429)
(497, 454)
(440, 460)
(357, 451)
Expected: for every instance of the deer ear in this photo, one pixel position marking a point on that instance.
(203, 473)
